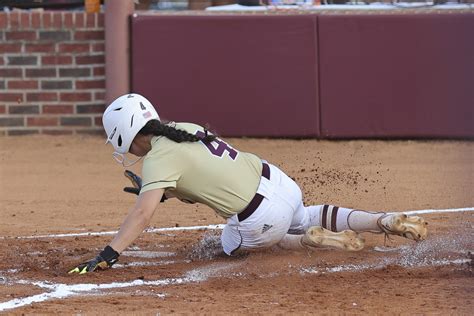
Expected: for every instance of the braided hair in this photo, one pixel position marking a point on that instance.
(156, 128)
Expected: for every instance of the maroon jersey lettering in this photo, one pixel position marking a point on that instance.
(218, 147)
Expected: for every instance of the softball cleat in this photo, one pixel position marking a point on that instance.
(411, 227)
(316, 237)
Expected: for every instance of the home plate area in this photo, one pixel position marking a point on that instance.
(184, 270)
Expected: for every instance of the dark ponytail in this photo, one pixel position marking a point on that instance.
(155, 127)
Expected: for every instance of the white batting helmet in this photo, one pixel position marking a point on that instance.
(124, 118)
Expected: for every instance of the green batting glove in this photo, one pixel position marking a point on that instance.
(104, 260)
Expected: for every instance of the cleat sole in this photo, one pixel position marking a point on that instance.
(346, 240)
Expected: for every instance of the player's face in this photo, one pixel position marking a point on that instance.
(141, 145)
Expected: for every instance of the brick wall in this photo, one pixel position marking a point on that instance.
(52, 72)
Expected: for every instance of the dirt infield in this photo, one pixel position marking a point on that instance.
(71, 186)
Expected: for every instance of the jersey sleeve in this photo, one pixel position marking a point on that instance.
(160, 172)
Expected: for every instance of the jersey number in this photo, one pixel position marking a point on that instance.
(218, 147)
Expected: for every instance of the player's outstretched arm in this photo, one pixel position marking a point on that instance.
(136, 221)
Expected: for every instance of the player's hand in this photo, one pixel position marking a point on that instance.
(136, 182)
(104, 260)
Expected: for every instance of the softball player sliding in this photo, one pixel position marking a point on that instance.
(262, 205)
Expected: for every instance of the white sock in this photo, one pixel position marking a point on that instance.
(333, 218)
(338, 219)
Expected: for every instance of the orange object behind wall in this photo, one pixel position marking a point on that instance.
(92, 6)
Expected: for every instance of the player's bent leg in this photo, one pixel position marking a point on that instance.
(303, 218)
(334, 218)
(338, 219)
(317, 237)
(263, 229)
(411, 227)
(247, 237)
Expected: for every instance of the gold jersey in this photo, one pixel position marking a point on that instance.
(214, 174)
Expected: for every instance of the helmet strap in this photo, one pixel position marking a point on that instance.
(124, 161)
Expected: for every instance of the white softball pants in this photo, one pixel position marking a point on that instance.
(280, 212)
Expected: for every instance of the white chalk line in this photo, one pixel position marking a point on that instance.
(87, 234)
(61, 291)
(381, 265)
(148, 263)
(147, 254)
(452, 210)
(210, 227)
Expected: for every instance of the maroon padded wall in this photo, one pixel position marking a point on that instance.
(247, 75)
(397, 75)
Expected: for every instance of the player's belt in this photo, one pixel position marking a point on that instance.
(257, 199)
